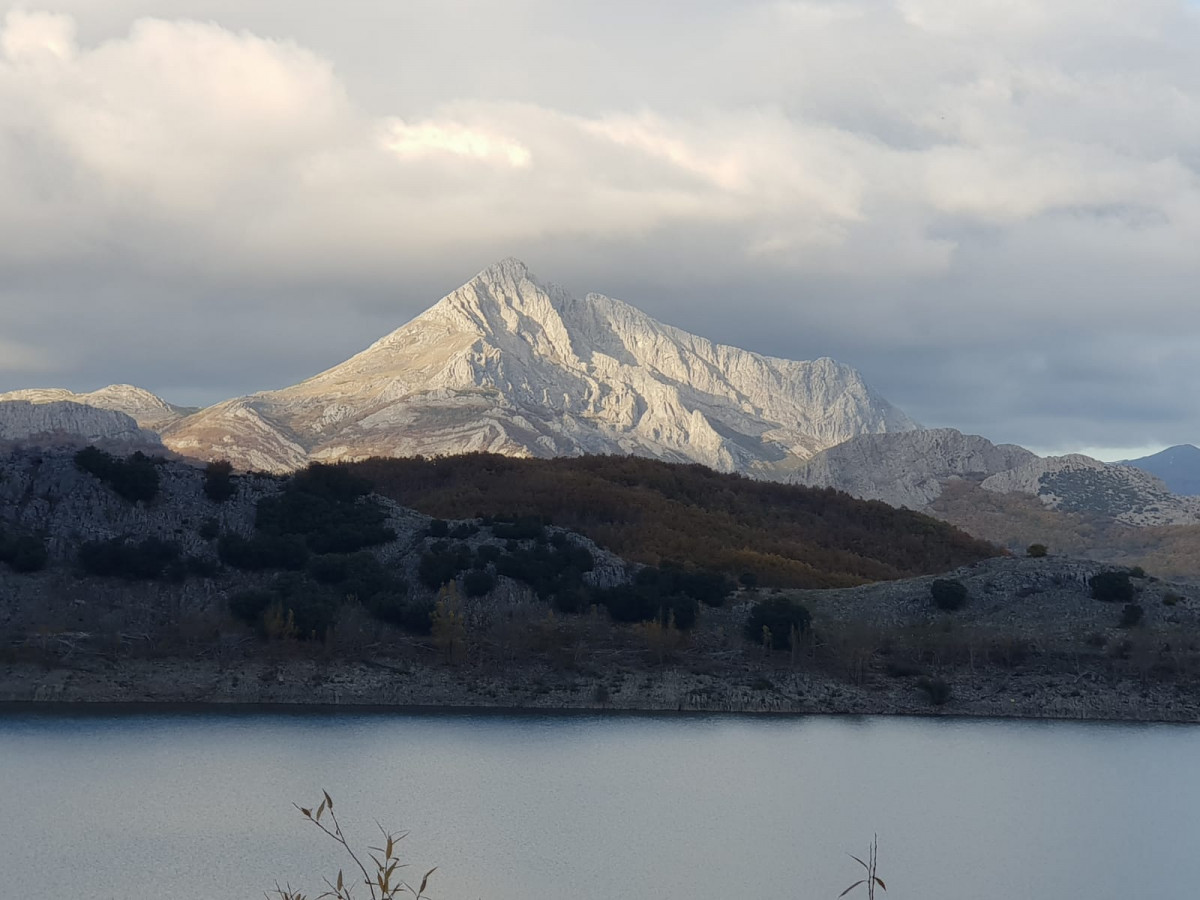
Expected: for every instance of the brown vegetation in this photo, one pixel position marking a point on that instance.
(652, 512)
(1016, 520)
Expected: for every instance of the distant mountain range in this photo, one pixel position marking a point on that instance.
(1178, 467)
(914, 469)
(508, 364)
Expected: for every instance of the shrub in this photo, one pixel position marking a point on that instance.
(328, 508)
(1171, 598)
(1036, 551)
(24, 553)
(520, 528)
(571, 599)
(938, 690)
(209, 530)
(326, 525)
(329, 569)
(202, 566)
(1137, 572)
(134, 478)
(549, 568)
(1111, 587)
(781, 617)
(439, 528)
(413, 614)
(748, 580)
(653, 596)
(441, 564)
(1131, 615)
(218, 481)
(249, 605)
(476, 583)
(262, 552)
(144, 560)
(948, 594)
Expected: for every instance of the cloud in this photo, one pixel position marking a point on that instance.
(428, 138)
(17, 358)
(928, 189)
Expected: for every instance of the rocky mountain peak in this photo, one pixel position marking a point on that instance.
(508, 363)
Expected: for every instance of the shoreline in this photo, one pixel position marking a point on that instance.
(82, 709)
(310, 687)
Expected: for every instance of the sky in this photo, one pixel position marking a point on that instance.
(990, 208)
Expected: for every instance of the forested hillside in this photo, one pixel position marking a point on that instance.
(655, 512)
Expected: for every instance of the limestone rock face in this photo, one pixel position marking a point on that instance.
(908, 469)
(508, 365)
(61, 423)
(912, 468)
(148, 410)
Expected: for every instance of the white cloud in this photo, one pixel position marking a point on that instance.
(33, 36)
(236, 144)
(456, 139)
(917, 161)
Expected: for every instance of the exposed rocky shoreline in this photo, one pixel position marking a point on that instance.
(310, 683)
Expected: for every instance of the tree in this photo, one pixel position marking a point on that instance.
(449, 626)
(1111, 587)
(783, 619)
(218, 481)
(948, 594)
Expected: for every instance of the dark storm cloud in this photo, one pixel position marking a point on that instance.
(989, 208)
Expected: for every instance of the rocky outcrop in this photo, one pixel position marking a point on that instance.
(60, 423)
(508, 365)
(911, 469)
(149, 411)
(908, 469)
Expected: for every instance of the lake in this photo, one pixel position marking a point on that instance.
(165, 805)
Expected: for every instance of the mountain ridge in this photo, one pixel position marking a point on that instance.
(1178, 467)
(149, 410)
(912, 469)
(508, 365)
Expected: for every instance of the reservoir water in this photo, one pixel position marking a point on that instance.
(197, 805)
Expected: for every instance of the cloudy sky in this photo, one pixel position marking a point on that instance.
(990, 207)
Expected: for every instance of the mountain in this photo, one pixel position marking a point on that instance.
(1178, 467)
(914, 469)
(142, 406)
(61, 423)
(508, 365)
(908, 469)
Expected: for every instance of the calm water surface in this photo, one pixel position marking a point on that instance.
(198, 805)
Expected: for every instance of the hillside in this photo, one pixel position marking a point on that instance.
(914, 468)
(651, 511)
(142, 579)
(1017, 520)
